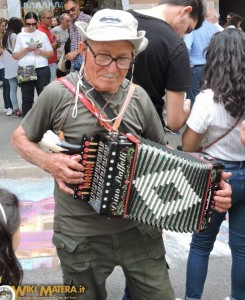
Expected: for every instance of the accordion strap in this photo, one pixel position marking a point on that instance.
(118, 120)
(94, 110)
(118, 125)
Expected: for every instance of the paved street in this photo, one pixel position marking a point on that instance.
(37, 254)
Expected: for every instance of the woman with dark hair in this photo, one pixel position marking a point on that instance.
(10, 64)
(215, 120)
(234, 22)
(229, 16)
(55, 22)
(10, 270)
(32, 47)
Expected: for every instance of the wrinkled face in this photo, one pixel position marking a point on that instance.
(183, 23)
(72, 9)
(105, 78)
(65, 22)
(47, 19)
(211, 18)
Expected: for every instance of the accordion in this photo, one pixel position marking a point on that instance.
(134, 178)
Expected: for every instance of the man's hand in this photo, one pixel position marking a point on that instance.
(71, 55)
(66, 170)
(222, 197)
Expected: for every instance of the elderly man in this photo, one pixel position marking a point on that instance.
(90, 245)
(213, 17)
(45, 17)
(61, 31)
(62, 34)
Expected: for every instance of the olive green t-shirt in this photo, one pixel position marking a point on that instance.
(77, 217)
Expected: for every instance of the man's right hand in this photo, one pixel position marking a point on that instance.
(66, 170)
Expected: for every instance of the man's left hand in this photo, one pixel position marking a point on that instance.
(222, 197)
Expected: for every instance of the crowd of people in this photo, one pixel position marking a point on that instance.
(52, 36)
(117, 49)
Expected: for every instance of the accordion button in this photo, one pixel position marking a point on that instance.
(62, 245)
(87, 263)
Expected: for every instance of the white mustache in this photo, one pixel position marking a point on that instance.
(110, 76)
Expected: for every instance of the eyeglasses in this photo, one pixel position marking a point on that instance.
(104, 60)
(70, 10)
(31, 24)
(48, 18)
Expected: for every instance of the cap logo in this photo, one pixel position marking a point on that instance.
(110, 20)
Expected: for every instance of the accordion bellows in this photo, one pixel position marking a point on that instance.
(141, 180)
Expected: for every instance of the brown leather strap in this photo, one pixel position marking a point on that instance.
(223, 135)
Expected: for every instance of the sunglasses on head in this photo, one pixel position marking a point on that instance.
(70, 10)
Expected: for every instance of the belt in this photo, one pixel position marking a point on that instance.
(192, 66)
(240, 164)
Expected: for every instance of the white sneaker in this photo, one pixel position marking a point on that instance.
(178, 299)
(5, 110)
(9, 112)
(227, 298)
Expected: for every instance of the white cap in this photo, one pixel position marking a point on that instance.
(113, 25)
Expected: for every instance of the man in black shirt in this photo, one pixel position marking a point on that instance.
(164, 67)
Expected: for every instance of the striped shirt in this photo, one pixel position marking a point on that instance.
(75, 36)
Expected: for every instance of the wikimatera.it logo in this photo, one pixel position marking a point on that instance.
(34, 292)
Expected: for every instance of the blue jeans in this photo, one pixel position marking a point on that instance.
(202, 243)
(196, 78)
(28, 88)
(6, 90)
(13, 92)
(53, 68)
